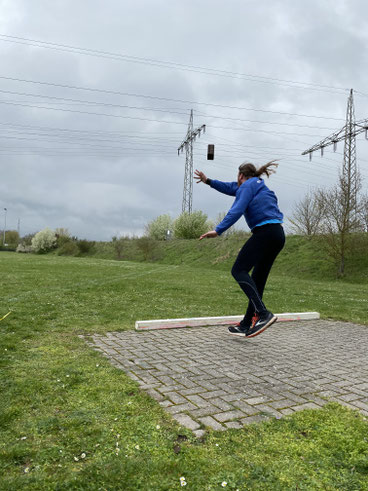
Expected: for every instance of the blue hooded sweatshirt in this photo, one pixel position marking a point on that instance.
(253, 199)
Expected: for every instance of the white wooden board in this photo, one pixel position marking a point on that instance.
(216, 321)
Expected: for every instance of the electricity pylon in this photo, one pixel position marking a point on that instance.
(350, 174)
(347, 133)
(350, 130)
(188, 176)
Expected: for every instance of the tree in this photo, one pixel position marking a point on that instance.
(191, 225)
(11, 237)
(44, 241)
(307, 215)
(341, 211)
(62, 232)
(158, 229)
(62, 236)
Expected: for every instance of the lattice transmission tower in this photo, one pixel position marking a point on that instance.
(347, 133)
(188, 175)
(349, 167)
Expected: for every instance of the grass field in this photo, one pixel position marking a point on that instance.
(69, 420)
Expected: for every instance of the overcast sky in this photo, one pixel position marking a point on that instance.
(93, 112)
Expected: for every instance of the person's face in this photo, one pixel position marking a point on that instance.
(241, 179)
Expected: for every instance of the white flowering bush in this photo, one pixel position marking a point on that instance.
(44, 241)
(24, 248)
(158, 228)
(191, 225)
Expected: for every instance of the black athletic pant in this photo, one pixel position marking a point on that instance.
(259, 253)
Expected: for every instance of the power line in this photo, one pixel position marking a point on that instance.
(150, 120)
(171, 65)
(93, 132)
(167, 99)
(83, 140)
(97, 103)
(262, 122)
(119, 151)
(153, 109)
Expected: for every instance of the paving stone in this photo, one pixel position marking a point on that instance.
(179, 408)
(360, 404)
(176, 398)
(197, 400)
(214, 393)
(193, 390)
(228, 415)
(284, 403)
(363, 386)
(286, 411)
(156, 395)
(307, 405)
(199, 433)
(254, 419)
(233, 397)
(268, 410)
(245, 408)
(205, 411)
(186, 421)
(166, 403)
(234, 424)
(212, 423)
(255, 400)
(223, 405)
(200, 374)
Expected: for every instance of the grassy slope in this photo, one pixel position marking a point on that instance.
(67, 400)
(300, 257)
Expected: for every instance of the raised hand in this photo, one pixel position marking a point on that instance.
(199, 176)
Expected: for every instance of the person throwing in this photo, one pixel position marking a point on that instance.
(258, 204)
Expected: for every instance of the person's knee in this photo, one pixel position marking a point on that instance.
(235, 271)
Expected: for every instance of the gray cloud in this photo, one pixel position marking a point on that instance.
(103, 175)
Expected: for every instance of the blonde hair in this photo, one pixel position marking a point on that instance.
(250, 170)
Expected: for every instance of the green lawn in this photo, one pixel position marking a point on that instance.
(69, 420)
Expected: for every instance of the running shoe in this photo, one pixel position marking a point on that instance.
(239, 329)
(266, 320)
(254, 319)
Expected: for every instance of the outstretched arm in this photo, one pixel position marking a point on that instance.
(243, 197)
(228, 188)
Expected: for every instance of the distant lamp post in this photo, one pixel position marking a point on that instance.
(4, 226)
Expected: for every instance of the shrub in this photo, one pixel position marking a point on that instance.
(62, 240)
(24, 248)
(44, 241)
(27, 239)
(119, 246)
(191, 226)
(148, 247)
(11, 237)
(158, 228)
(62, 236)
(85, 246)
(69, 248)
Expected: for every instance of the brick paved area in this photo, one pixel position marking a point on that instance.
(206, 378)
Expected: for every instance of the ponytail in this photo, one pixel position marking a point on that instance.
(249, 170)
